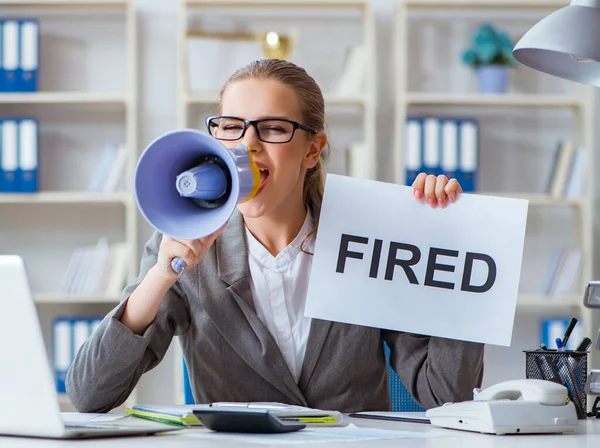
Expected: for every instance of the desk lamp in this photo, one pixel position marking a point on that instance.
(565, 44)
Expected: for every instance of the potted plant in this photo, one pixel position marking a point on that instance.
(491, 57)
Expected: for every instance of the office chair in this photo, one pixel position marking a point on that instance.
(188, 396)
(402, 401)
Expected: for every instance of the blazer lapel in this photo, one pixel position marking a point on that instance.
(319, 329)
(261, 352)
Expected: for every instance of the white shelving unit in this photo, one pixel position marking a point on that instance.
(538, 99)
(281, 16)
(78, 111)
(194, 103)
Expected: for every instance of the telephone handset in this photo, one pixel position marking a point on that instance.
(540, 391)
(511, 407)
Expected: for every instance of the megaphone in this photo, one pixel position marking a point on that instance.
(187, 184)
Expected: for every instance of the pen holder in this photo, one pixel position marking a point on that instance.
(565, 367)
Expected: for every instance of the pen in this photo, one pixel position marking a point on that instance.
(568, 332)
(559, 344)
(584, 345)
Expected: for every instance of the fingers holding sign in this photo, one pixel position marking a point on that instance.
(437, 190)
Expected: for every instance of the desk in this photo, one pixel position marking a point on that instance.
(587, 435)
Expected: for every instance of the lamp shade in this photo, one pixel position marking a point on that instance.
(565, 44)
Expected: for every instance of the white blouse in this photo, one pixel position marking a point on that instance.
(279, 286)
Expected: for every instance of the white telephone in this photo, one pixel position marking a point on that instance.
(511, 407)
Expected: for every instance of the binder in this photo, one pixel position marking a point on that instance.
(68, 335)
(413, 144)
(555, 328)
(431, 146)
(468, 150)
(449, 143)
(10, 157)
(2, 75)
(81, 331)
(27, 73)
(27, 181)
(62, 341)
(10, 54)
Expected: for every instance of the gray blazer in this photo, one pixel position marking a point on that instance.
(231, 355)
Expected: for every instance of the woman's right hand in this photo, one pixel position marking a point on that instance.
(190, 251)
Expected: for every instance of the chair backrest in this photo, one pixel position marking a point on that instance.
(402, 401)
(188, 396)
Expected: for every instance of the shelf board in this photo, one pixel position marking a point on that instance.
(279, 3)
(57, 297)
(64, 197)
(63, 98)
(542, 300)
(211, 98)
(526, 100)
(536, 199)
(487, 3)
(68, 3)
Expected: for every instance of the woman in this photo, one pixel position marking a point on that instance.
(239, 306)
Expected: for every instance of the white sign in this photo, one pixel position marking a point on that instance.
(382, 259)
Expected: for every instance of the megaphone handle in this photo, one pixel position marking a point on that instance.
(178, 265)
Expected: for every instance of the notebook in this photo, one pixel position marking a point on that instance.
(183, 415)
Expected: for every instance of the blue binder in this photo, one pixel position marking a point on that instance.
(10, 54)
(468, 154)
(431, 146)
(413, 149)
(29, 44)
(68, 334)
(449, 147)
(27, 181)
(2, 74)
(9, 163)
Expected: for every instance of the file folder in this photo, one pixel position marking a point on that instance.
(449, 148)
(10, 157)
(10, 54)
(413, 147)
(468, 155)
(431, 146)
(27, 75)
(2, 75)
(62, 342)
(68, 335)
(27, 181)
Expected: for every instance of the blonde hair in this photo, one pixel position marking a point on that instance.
(312, 110)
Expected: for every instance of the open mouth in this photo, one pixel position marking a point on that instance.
(264, 176)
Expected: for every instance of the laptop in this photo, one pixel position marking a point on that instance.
(29, 404)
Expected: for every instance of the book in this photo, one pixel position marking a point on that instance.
(183, 415)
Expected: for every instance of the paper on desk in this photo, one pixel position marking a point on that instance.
(350, 433)
(79, 417)
(384, 260)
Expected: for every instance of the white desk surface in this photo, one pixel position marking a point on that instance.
(587, 435)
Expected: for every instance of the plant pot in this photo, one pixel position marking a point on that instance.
(492, 79)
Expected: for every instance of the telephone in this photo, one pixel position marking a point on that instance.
(511, 407)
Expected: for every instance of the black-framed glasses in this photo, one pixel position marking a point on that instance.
(268, 130)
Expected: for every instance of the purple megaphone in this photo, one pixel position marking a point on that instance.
(187, 184)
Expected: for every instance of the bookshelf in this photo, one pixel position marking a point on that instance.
(518, 132)
(87, 96)
(350, 116)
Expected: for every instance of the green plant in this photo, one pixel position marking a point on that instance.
(490, 47)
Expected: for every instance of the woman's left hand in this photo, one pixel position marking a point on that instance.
(437, 190)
